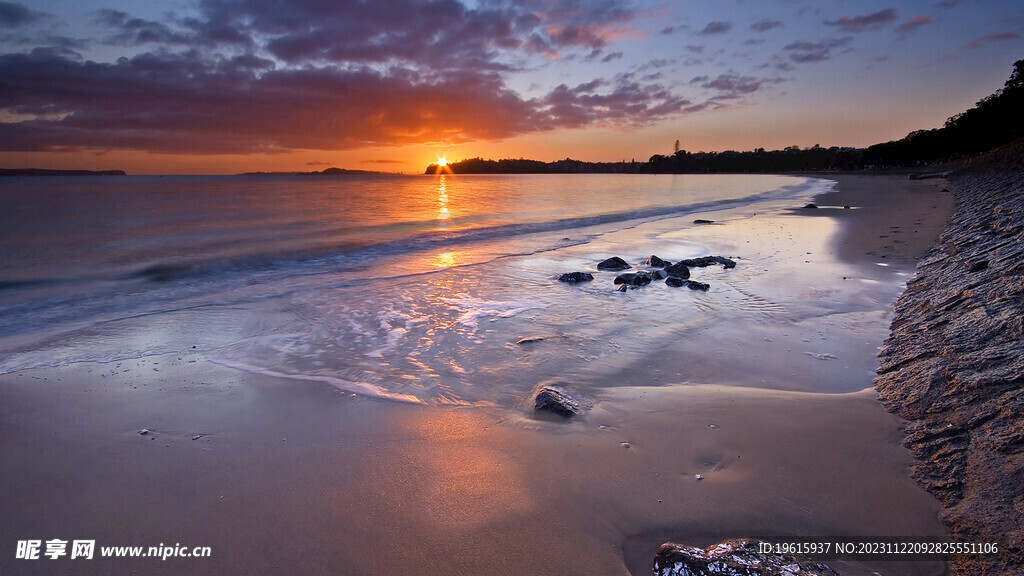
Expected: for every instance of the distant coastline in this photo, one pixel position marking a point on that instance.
(325, 172)
(42, 172)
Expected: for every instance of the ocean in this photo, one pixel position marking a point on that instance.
(411, 288)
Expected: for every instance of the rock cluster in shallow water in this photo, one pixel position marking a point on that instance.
(675, 275)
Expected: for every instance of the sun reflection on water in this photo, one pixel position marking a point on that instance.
(442, 198)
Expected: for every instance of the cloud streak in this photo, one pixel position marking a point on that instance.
(865, 22)
(716, 27)
(912, 24)
(989, 38)
(811, 52)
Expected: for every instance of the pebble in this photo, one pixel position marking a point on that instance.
(698, 476)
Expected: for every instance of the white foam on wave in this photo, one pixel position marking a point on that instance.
(363, 388)
(472, 309)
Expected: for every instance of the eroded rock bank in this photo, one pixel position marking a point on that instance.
(953, 366)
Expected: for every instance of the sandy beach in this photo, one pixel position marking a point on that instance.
(284, 476)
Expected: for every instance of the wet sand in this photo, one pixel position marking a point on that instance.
(300, 478)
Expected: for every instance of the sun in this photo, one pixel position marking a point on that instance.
(442, 161)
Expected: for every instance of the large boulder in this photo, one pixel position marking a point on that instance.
(613, 264)
(576, 277)
(741, 557)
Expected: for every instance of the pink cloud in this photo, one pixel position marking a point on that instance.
(989, 38)
(912, 24)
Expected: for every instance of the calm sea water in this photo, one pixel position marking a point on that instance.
(408, 287)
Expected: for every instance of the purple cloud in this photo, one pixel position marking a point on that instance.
(716, 27)
(912, 24)
(989, 38)
(733, 84)
(804, 52)
(865, 22)
(765, 25)
(13, 15)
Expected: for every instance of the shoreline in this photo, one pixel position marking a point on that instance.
(276, 473)
(953, 365)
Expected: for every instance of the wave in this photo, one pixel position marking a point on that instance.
(354, 255)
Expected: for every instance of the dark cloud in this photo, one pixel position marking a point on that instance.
(627, 103)
(242, 76)
(669, 30)
(989, 38)
(912, 24)
(865, 22)
(696, 49)
(716, 27)
(765, 25)
(13, 15)
(731, 86)
(192, 103)
(805, 52)
(126, 30)
(753, 42)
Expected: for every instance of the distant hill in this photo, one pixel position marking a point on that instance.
(325, 172)
(41, 172)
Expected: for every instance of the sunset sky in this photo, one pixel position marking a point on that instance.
(225, 86)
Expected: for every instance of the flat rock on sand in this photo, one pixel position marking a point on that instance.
(954, 364)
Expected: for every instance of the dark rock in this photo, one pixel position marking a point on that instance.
(623, 287)
(701, 262)
(576, 277)
(703, 221)
(741, 557)
(679, 270)
(659, 275)
(634, 279)
(725, 262)
(557, 400)
(529, 339)
(705, 261)
(676, 282)
(811, 206)
(614, 263)
(656, 262)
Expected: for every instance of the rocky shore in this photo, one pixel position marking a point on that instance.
(953, 366)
